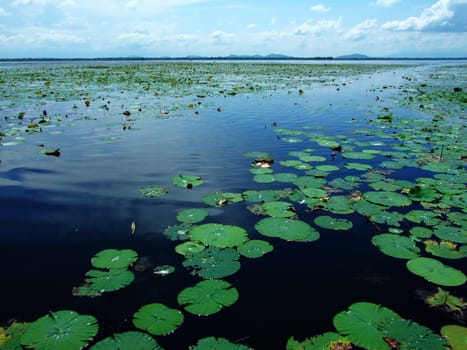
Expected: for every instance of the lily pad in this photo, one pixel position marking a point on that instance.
(157, 319)
(114, 258)
(192, 215)
(261, 196)
(285, 177)
(278, 209)
(314, 192)
(60, 330)
(396, 246)
(421, 232)
(340, 205)
(387, 217)
(189, 247)
(187, 181)
(153, 191)
(211, 343)
(436, 272)
(264, 178)
(455, 335)
(290, 230)
(109, 281)
(444, 249)
(358, 166)
(127, 341)
(164, 270)
(423, 193)
(178, 232)
(208, 297)
(387, 199)
(423, 216)
(331, 223)
(451, 233)
(329, 340)
(255, 248)
(218, 235)
(213, 262)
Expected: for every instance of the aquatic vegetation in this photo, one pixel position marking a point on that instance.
(218, 343)
(435, 271)
(219, 235)
(157, 319)
(127, 341)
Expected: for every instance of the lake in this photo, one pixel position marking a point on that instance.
(355, 150)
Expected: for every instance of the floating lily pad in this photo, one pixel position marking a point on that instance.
(208, 297)
(264, 178)
(127, 341)
(331, 223)
(285, 177)
(387, 199)
(423, 193)
(421, 232)
(358, 166)
(290, 230)
(261, 196)
(327, 168)
(213, 262)
(153, 191)
(60, 330)
(189, 247)
(423, 216)
(192, 215)
(278, 209)
(455, 335)
(340, 205)
(109, 281)
(310, 158)
(164, 270)
(218, 235)
(187, 181)
(436, 272)
(255, 248)
(221, 199)
(444, 249)
(386, 217)
(314, 192)
(157, 319)
(218, 344)
(178, 232)
(329, 340)
(396, 246)
(450, 233)
(114, 258)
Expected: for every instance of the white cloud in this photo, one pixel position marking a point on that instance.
(318, 27)
(444, 15)
(360, 31)
(4, 12)
(386, 3)
(251, 26)
(273, 21)
(320, 8)
(219, 37)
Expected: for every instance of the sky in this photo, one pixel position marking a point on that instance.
(179, 28)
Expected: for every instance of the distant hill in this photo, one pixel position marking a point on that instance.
(354, 56)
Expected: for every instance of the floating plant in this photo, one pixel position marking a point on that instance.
(158, 319)
(131, 340)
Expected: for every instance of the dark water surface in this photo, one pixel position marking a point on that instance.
(57, 212)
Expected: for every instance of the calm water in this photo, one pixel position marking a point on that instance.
(57, 212)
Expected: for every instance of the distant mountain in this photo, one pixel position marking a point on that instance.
(354, 56)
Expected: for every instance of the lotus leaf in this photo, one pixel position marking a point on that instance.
(208, 297)
(157, 319)
(286, 177)
(192, 216)
(10, 338)
(388, 199)
(436, 272)
(331, 223)
(450, 233)
(187, 181)
(153, 191)
(327, 143)
(396, 246)
(220, 199)
(340, 205)
(164, 270)
(261, 171)
(65, 329)
(310, 182)
(109, 281)
(423, 216)
(310, 158)
(386, 217)
(278, 209)
(189, 247)
(327, 168)
(264, 178)
(455, 335)
(314, 192)
(290, 230)
(114, 258)
(85, 290)
(213, 262)
(361, 324)
(178, 232)
(444, 249)
(384, 186)
(127, 341)
(421, 232)
(358, 166)
(343, 184)
(261, 196)
(218, 235)
(255, 248)
(423, 193)
(329, 340)
(211, 343)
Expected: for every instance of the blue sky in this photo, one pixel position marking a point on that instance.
(109, 28)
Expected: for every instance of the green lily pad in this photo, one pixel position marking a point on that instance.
(60, 330)
(455, 335)
(127, 341)
(384, 186)
(387, 217)
(192, 215)
(264, 178)
(85, 290)
(329, 340)
(444, 249)
(114, 258)
(218, 235)
(436, 272)
(327, 168)
(153, 191)
(343, 184)
(261, 196)
(396, 246)
(309, 182)
(340, 205)
(157, 319)
(450, 233)
(109, 281)
(290, 230)
(208, 297)
(213, 262)
(361, 324)
(164, 270)
(423, 216)
(331, 223)
(423, 193)
(178, 232)
(310, 158)
(314, 192)
(187, 181)
(189, 247)
(278, 209)
(358, 166)
(387, 199)
(211, 343)
(285, 177)
(255, 248)
(421, 232)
